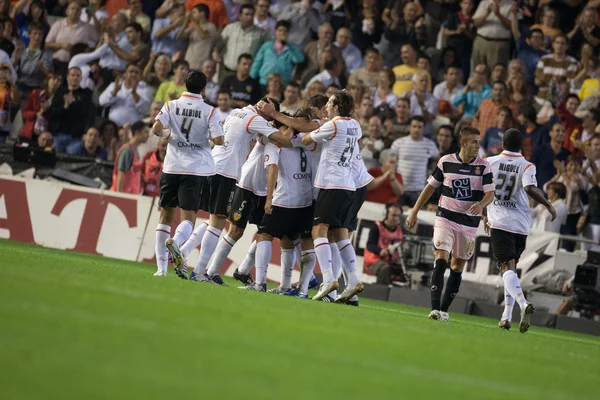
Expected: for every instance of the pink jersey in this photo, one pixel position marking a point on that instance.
(463, 184)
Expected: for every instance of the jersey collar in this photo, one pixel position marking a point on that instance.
(511, 153)
(251, 107)
(192, 95)
(457, 154)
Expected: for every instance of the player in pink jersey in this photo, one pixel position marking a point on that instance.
(467, 188)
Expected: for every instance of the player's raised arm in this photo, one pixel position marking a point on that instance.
(298, 124)
(325, 132)
(272, 164)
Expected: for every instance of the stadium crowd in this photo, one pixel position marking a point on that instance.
(86, 77)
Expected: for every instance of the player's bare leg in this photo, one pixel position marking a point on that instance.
(348, 256)
(323, 251)
(452, 287)
(513, 286)
(182, 233)
(163, 233)
(222, 250)
(437, 282)
(216, 223)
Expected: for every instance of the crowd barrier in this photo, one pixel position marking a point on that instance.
(95, 221)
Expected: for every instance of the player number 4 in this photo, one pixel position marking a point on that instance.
(185, 130)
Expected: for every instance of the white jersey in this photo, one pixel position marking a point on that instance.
(510, 209)
(241, 127)
(359, 170)
(254, 174)
(339, 138)
(294, 181)
(192, 122)
(314, 155)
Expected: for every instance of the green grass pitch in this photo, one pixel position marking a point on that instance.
(75, 326)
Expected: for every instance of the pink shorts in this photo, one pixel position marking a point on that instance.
(458, 243)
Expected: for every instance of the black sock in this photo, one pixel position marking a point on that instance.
(437, 283)
(451, 289)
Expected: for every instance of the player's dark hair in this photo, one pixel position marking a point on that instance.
(275, 102)
(283, 23)
(138, 126)
(344, 102)
(512, 140)
(559, 188)
(195, 81)
(203, 8)
(136, 27)
(245, 56)
(278, 124)
(305, 112)
(468, 131)
(318, 100)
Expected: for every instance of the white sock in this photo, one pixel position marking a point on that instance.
(323, 252)
(509, 303)
(194, 240)
(248, 261)
(223, 249)
(298, 252)
(513, 287)
(263, 256)
(163, 232)
(336, 265)
(307, 266)
(348, 256)
(209, 242)
(288, 259)
(183, 232)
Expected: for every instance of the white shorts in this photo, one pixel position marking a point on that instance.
(458, 243)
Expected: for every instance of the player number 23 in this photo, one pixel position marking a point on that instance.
(505, 184)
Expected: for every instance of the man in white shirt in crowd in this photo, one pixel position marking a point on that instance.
(352, 55)
(128, 97)
(224, 105)
(330, 75)
(444, 91)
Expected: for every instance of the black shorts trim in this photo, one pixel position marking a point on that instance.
(246, 208)
(287, 222)
(183, 191)
(333, 207)
(507, 246)
(358, 198)
(217, 195)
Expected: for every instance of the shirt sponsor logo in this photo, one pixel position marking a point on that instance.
(461, 188)
(504, 203)
(192, 146)
(302, 175)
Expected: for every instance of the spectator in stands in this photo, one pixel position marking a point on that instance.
(127, 172)
(135, 15)
(533, 134)
(291, 98)
(224, 104)
(94, 12)
(491, 145)
(244, 90)
(391, 187)
(566, 112)
(488, 110)
(498, 73)
(242, 37)
(10, 94)
(66, 32)
(8, 36)
(545, 156)
(28, 12)
(33, 63)
(277, 56)
(422, 102)
(211, 90)
(151, 168)
(129, 97)
(590, 121)
(165, 38)
(398, 127)
(517, 91)
(476, 90)
(542, 220)
(73, 111)
(404, 73)
(585, 31)
(367, 27)
(157, 71)
(201, 34)
(109, 137)
(590, 88)
(369, 74)
(414, 154)
(460, 30)
(110, 62)
(218, 12)
(589, 222)
(593, 156)
(352, 55)
(331, 73)
(140, 51)
(37, 113)
(304, 21)
(548, 26)
(372, 144)
(314, 49)
(262, 19)
(557, 69)
(274, 88)
(447, 89)
(153, 140)
(403, 29)
(45, 141)
(492, 43)
(173, 89)
(382, 254)
(445, 141)
(90, 146)
(383, 93)
(530, 48)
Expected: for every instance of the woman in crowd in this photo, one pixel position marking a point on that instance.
(383, 92)
(542, 220)
(548, 24)
(36, 113)
(27, 12)
(275, 87)
(157, 71)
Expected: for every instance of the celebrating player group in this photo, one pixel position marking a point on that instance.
(301, 180)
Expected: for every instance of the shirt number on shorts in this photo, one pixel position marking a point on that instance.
(505, 186)
(348, 152)
(186, 130)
